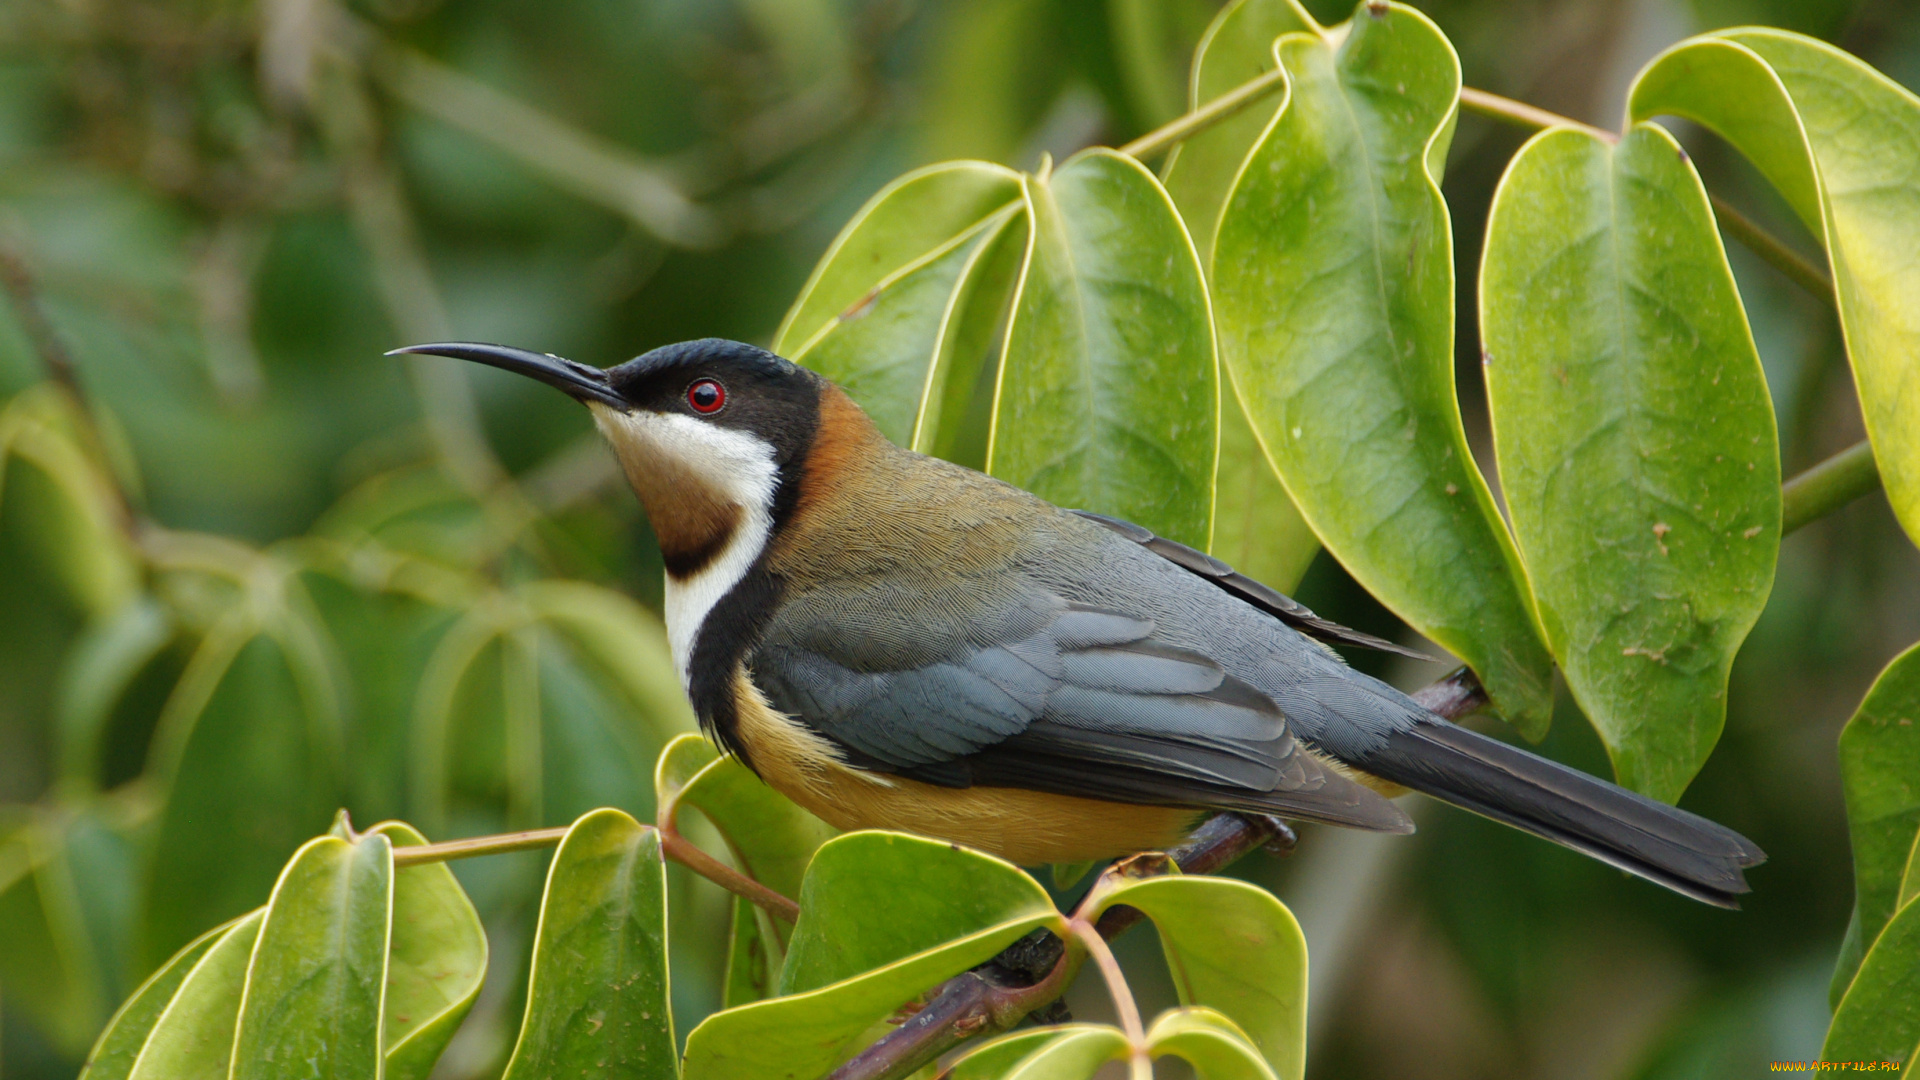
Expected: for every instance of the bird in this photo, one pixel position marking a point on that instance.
(895, 641)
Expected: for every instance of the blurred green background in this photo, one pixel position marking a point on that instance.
(228, 210)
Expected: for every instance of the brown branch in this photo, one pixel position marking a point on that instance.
(1226, 105)
(1007, 989)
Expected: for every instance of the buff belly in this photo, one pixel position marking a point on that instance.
(1025, 827)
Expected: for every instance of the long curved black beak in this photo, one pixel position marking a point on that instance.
(579, 381)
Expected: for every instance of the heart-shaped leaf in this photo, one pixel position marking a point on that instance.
(1333, 286)
(1635, 438)
(1838, 139)
(316, 987)
(597, 999)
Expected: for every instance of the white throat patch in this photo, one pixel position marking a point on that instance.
(737, 467)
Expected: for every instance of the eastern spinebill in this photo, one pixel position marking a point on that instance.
(895, 641)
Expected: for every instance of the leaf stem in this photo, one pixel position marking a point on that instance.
(1828, 486)
(1525, 115)
(677, 847)
(1185, 127)
(1124, 1006)
(1798, 268)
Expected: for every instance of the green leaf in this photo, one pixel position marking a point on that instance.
(941, 910)
(1879, 1018)
(995, 1058)
(76, 510)
(1109, 396)
(435, 963)
(1256, 528)
(247, 741)
(1635, 438)
(1212, 1044)
(1880, 776)
(1076, 1052)
(1333, 286)
(119, 1045)
(48, 964)
(899, 351)
(193, 1039)
(317, 983)
(1838, 140)
(597, 1000)
(1236, 49)
(106, 659)
(771, 837)
(955, 893)
(625, 641)
(1232, 947)
(910, 220)
(749, 968)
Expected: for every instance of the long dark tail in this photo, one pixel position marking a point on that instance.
(1685, 852)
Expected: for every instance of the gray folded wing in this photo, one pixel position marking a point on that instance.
(1064, 698)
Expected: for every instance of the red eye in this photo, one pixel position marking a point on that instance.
(706, 396)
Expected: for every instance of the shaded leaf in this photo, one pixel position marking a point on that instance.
(435, 963)
(119, 1044)
(47, 961)
(749, 971)
(1635, 438)
(1333, 286)
(1879, 1017)
(77, 532)
(1234, 948)
(1838, 139)
(1109, 397)
(771, 837)
(1208, 1041)
(316, 986)
(1256, 528)
(106, 659)
(248, 745)
(1880, 776)
(193, 1039)
(597, 999)
(930, 889)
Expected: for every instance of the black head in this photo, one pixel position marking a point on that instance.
(724, 383)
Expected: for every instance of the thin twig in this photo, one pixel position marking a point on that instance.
(957, 1011)
(675, 846)
(1828, 486)
(1525, 115)
(1124, 1007)
(1798, 268)
(1226, 105)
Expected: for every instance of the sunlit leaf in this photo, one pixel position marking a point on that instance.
(435, 963)
(1880, 776)
(317, 982)
(1635, 438)
(1234, 948)
(1108, 397)
(1878, 1019)
(1237, 48)
(919, 214)
(597, 1000)
(119, 1045)
(956, 906)
(1838, 139)
(193, 1039)
(952, 893)
(771, 837)
(1076, 1052)
(1213, 1045)
(1333, 286)
(995, 1058)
